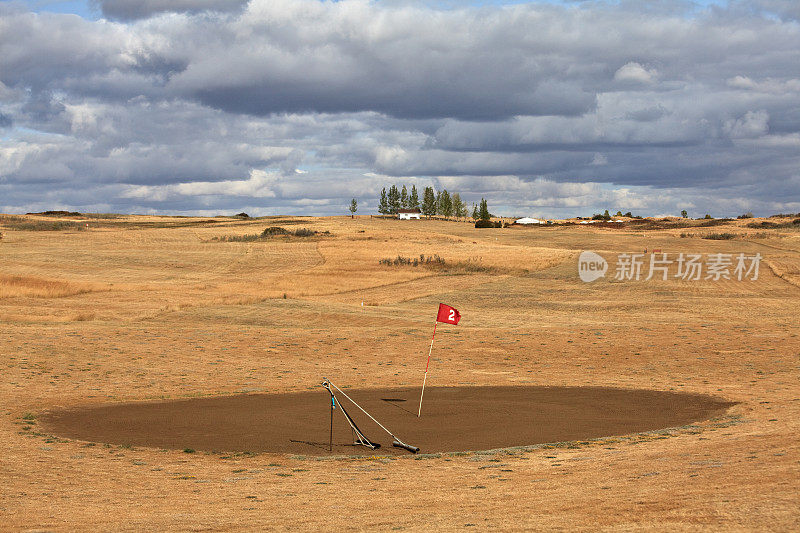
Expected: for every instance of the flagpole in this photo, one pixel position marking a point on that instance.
(435, 322)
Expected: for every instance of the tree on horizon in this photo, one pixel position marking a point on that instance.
(459, 207)
(383, 204)
(394, 200)
(429, 202)
(445, 204)
(483, 211)
(413, 199)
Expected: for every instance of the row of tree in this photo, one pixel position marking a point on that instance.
(396, 199)
(440, 203)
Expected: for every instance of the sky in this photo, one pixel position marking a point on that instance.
(547, 108)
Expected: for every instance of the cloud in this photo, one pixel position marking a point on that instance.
(788, 10)
(753, 124)
(303, 104)
(636, 73)
(769, 85)
(139, 9)
(258, 185)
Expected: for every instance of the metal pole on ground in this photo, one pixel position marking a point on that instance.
(425, 379)
(395, 442)
(330, 442)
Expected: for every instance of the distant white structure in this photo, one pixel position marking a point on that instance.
(408, 214)
(528, 220)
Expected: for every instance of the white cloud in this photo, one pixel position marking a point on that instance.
(768, 85)
(634, 72)
(260, 184)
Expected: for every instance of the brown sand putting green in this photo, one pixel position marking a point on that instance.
(453, 419)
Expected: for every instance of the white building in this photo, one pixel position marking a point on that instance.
(528, 220)
(408, 214)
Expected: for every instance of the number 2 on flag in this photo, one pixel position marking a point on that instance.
(448, 315)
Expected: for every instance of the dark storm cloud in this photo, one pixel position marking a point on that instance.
(306, 56)
(216, 101)
(139, 9)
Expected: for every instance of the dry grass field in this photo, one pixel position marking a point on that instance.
(135, 308)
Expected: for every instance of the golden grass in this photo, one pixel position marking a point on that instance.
(33, 287)
(144, 308)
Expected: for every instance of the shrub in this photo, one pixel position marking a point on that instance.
(239, 238)
(773, 225)
(58, 213)
(719, 236)
(435, 262)
(429, 260)
(274, 230)
(242, 215)
(763, 224)
(488, 224)
(713, 222)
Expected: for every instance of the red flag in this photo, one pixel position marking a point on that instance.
(448, 315)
